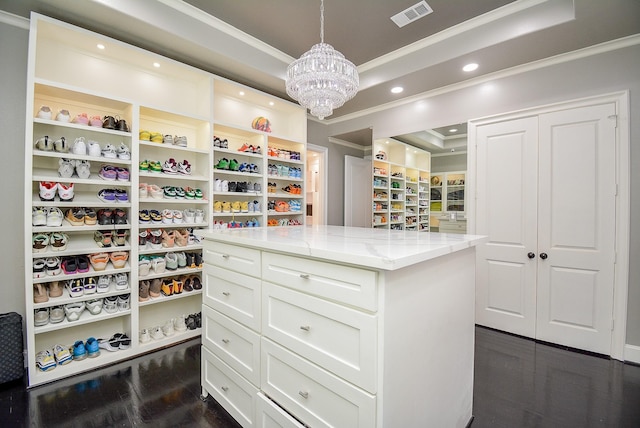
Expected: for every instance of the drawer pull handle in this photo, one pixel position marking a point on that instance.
(225, 340)
(305, 327)
(226, 293)
(303, 394)
(304, 275)
(225, 256)
(225, 388)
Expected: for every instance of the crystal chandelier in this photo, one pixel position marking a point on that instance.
(322, 79)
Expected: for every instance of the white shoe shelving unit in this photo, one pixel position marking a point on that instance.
(400, 186)
(68, 71)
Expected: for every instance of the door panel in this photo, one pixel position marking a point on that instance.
(577, 227)
(506, 212)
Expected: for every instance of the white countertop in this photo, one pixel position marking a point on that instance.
(367, 247)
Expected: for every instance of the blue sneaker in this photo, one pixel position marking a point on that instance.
(92, 347)
(79, 352)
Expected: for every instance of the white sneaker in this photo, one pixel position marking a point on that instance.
(179, 324)
(66, 168)
(94, 149)
(65, 191)
(145, 336)
(63, 116)
(217, 187)
(79, 147)
(123, 152)
(44, 112)
(109, 151)
(48, 190)
(156, 333)
(54, 217)
(199, 218)
(83, 168)
(167, 329)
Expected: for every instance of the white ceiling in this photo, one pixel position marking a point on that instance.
(252, 41)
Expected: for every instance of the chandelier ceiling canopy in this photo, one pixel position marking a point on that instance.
(322, 79)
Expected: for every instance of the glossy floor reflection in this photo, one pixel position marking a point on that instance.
(518, 383)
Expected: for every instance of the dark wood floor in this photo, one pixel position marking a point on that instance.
(518, 383)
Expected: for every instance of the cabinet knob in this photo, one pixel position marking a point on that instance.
(225, 340)
(303, 394)
(225, 256)
(304, 275)
(226, 293)
(543, 256)
(305, 327)
(531, 255)
(224, 388)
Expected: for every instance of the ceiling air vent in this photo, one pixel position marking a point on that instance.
(411, 14)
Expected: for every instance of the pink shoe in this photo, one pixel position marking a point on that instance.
(95, 121)
(81, 119)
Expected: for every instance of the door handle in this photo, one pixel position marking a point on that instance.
(543, 256)
(531, 255)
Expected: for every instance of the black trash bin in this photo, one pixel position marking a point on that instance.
(11, 356)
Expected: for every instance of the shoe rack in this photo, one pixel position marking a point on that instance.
(275, 158)
(400, 186)
(76, 80)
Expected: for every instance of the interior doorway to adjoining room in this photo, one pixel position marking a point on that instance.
(316, 186)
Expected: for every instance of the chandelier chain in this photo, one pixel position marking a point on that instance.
(321, 21)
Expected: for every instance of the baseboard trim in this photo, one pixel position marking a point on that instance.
(632, 353)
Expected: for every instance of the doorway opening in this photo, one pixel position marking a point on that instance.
(316, 186)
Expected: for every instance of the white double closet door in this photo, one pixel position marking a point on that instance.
(546, 189)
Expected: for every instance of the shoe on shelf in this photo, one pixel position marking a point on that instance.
(122, 281)
(73, 312)
(61, 354)
(180, 141)
(167, 139)
(45, 360)
(41, 317)
(124, 152)
(66, 167)
(79, 146)
(79, 351)
(95, 121)
(222, 164)
(167, 328)
(180, 324)
(55, 290)
(144, 135)
(94, 149)
(158, 264)
(81, 119)
(155, 290)
(65, 192)
(109, 152)
(156, 333)
(144, 336)
(83, 168)
(44, 113)
(143, 290)
(170, 167)
(60, 145)
(48, 190)
(184, 168)
(94, 306)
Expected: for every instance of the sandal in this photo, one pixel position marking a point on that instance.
(119, 259)
(99, 261)
(74, 310)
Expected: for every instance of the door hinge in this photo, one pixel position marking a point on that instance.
(614, 117)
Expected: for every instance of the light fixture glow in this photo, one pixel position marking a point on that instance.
(100, 46)
(156, 64)
(397, 89)
(241, 93)
(470, 67)
(322, 79)
(271, 103)
(453, 130)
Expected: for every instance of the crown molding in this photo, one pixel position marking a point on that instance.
(344, 143)
(14, 20)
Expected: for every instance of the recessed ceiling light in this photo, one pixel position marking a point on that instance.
(156, 64)
(100, 46)
(470, 67)
(453, 130)
(241, 93)
(271, 103)
(397, 89)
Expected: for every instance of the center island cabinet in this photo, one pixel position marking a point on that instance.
(331, 326)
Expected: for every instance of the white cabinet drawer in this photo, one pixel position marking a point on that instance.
(452, 227)
(234, 343)
(311, 394)
(232, 391)
(344, 284)
(236, 258)
(269, 415)
(340, 339)
(234, 294)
